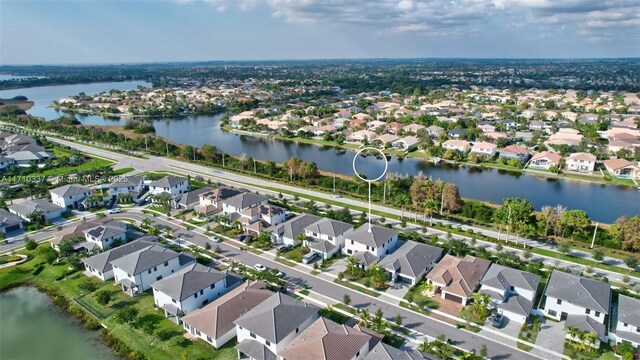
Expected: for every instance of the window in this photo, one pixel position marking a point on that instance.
(213, 285)
(155, 268)
(625, 324)
(149, 272)
(597, 313)
(195, 296)
(297, 329)
(588, 311)
(266, 342)
(552, 313)
(209, 339)
(166, 263)
(201, 292)
(512, 288)
(159, 278)
(252, 335)
(351, 242)
(174, 301)
(558, 301)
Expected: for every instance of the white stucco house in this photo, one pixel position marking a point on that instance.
(107, 234)
(172, 185)
(288, 232)
(581, 162)
(126, 185)
(369, 244)
(484, 148)
(69, 196)
(628, 324)
(191, 288)
(99, 265)
(512, 291)
(326, 236)
(45, 210)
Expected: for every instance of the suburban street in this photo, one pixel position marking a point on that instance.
(154, 163)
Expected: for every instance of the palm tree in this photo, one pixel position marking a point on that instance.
(365, 318)
(480, 304)
(403, 200)
(424, 346)
(430, 206)
(146, 222)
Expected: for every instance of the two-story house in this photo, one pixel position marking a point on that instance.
(581, 302)
(69, 196)
(172, 185)
(628, 324)
(517, 152)
(484, 148)
(288, 232)
(210, 202)
(368, 244)
(137, 271)
(191, 288)
(214, 322)
(581, 162)
(107, 234)
(126, 185)
(242, 201)
(326, 236)
(267, 328)
(545, 160)
(460, 145)
(99, 265)
(513, 291)
(260, 217)
(36, 210)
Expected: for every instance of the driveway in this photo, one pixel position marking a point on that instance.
(398, 289)
(509, 327)
(337, 267)
(551, 336)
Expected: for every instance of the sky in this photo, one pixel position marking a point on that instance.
(134, 31)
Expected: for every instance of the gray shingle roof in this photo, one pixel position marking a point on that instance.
(70, 190)
(126, 181)
(629, 310)
(383, 351)
(168, 181)
(8, 219)
(329, 227)
(147, 258)
(412, 258)
(191, 279)
(27, 207)
(590, 294)
(365, 258)
(321, 245)
(502, 277)
(193, 196)
(588, 324)
(293, 227)
(255, 350)
(277, 317)
(244, 200)
(517, 304)
(107, 230)
(102, 261)
(378, 235)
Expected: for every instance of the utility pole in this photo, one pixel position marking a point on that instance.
(167, 145)
(442, 202)
(146, 146)
(194, 154)
(384, 192)
(508, 224)
(334, 184)
(223, 160)
(593, 240)
(254, 167)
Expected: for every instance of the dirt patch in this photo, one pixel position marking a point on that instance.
(20, 104)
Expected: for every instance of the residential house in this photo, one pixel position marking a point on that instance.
(406, 143)
(108, 234)
(40, 208)
(210, 202)
(287, 233)
(581, 162)
(384, 351)
(484, 148)
(370, 243)
(260, 217)
(27, 157)
(69, 196)
(242, 201)
(581, 302)
(6, 162)
(328, 340)
(457, 133)
(458, 278)
(326, 236)
(434, 131)
(628, 322)
(394, 127)
(512, 291)
(362, 135)
(545, 160)
(126, 185)
(75, 235)
(622, 168)
(9, 222)
(411, 261)
(267, 328)
(172, 185)
(460, 145)
(100, 265)
(214, 322)
(565, 136)
(413, 128)
(517, 152)
(190, 199)
(191, 288)
(136, 272)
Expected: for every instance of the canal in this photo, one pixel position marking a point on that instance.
(602, 202)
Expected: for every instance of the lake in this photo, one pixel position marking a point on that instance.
(602, 202)
(32, 327)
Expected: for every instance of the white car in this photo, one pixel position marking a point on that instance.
(215, 239)
(336, 196)
(260, 267)
(114, 211)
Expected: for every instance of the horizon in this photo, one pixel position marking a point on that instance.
(140, 32)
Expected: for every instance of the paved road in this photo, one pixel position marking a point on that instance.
(154, 163)
(328, 289)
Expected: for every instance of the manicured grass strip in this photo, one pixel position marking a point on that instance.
(285, 262)
(417, 309)
(583, 261)
(355, 287)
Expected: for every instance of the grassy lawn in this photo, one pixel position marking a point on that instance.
(333, 315)
(60, 152)
(415, 295)
(355, 287)
(467, 314)
(123, 171)
(295, 254)
(604, 353)
(90, 164)
(529, 333)
(37, 273)
(285, 262)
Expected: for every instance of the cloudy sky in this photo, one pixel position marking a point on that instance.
(121, 31)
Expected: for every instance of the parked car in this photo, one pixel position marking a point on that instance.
(215, 239)
(336, 196)
(114, 211)
(283, 247)
(260, 267)
(496, 320)
(245, 238)
(309, 257)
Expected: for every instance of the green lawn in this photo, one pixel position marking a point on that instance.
(355, 287)
(294, 254)
(136, 339)
(90, 164)
(416, 296)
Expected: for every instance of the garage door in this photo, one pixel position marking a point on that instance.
(12, 228)
(405, 280)
(452, 297)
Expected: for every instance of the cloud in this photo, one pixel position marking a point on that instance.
(591, 19)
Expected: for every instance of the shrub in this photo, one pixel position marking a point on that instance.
(103, 297)
(30, 244)
(164, 334)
